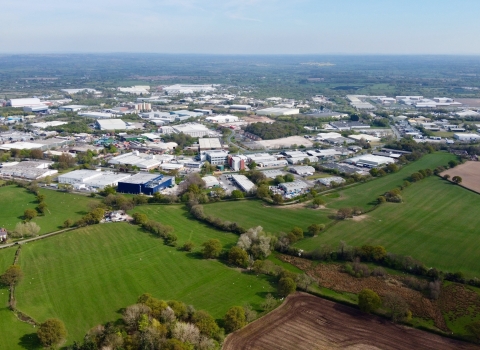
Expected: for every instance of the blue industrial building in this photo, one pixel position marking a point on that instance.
(145, 183)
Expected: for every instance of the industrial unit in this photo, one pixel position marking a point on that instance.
(27, 170)
(274, 111)
(92, 179)
(217, 157)
(205, 144)
(243, 182)
(145, 183)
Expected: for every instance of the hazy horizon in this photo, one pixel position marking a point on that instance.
(241, 27)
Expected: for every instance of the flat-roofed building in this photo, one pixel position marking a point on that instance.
(23, 102)
(303, 170)
(271, 174)
(225, 118)
(211, 181)
(142, 161)
(292, 188)
(217, 157)
(327, 181)
(212, 143)
(145, 183)
(243, 183)
(111, 124)
(192, 129)
(71, 108)
(275, 111)
(370, 160)
(30, 170)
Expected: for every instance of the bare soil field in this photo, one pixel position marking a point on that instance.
(257, 119)
(285, 142)
(306, 322)
(470, 174)
(469, 102)
(331, 276)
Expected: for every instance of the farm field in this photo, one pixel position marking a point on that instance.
(437, 224)
(365, 195)
(272, 219)
(61, 206)
(307, 322)
(85, 277)
(470, 174)
(277, 219)
(186, 227)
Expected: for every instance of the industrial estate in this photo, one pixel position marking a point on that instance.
(176, 212)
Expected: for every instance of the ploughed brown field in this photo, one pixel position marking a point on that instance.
(470, 174)
(306, 322)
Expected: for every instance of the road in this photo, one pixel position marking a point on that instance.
(36, 238)
(396, 132)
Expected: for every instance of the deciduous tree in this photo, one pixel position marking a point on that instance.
(234, 319)
(51, 332)
(368, 300)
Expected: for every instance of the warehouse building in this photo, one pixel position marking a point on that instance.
(41, 108)
(111, 124)
(467, 137)
(145, 183)
(274, 111)
(141, 160)
(211, 181)
(205, 144)
(303, 170)
(78, 176)
(96, 115)
(71, 108)
(243, 182)
(29, 170)
(92, 179)
(192, 129)
(370, 160)
(302, 159)
(226, 118)
(293, 188)
(271, 174)
(23, 102)
(327, 181)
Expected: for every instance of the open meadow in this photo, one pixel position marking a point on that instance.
(15, 334)
(186, 227)
(85, 277)
(61, 206)
(251, 213)
(437, 224)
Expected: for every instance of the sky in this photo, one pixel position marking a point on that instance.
(241, 26)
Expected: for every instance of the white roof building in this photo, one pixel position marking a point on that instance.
(47, 124)
(303, 170)
(111, 124)
(192, 129)
(141, 160)
(76, 91)
(24, 102)
(188, 89)
(137, 90)
(293, 187)
(96, 115)
(71, 108)
(370, 160)
(327, 181)
(274, 111)
(243, 182)
(466, 137)
(211, 181)
(366, 137)
(226, 118)
(28, 170)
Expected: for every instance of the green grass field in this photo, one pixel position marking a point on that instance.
(437, 224)
(186, 227)
(365, 195)
(85, 277)
(15, 334)
(61, 206)
(277, 219)
(273, 219)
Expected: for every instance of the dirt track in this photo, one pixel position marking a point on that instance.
(305, 322)
(470, 174)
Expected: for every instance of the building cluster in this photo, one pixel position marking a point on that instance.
(361, 101)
